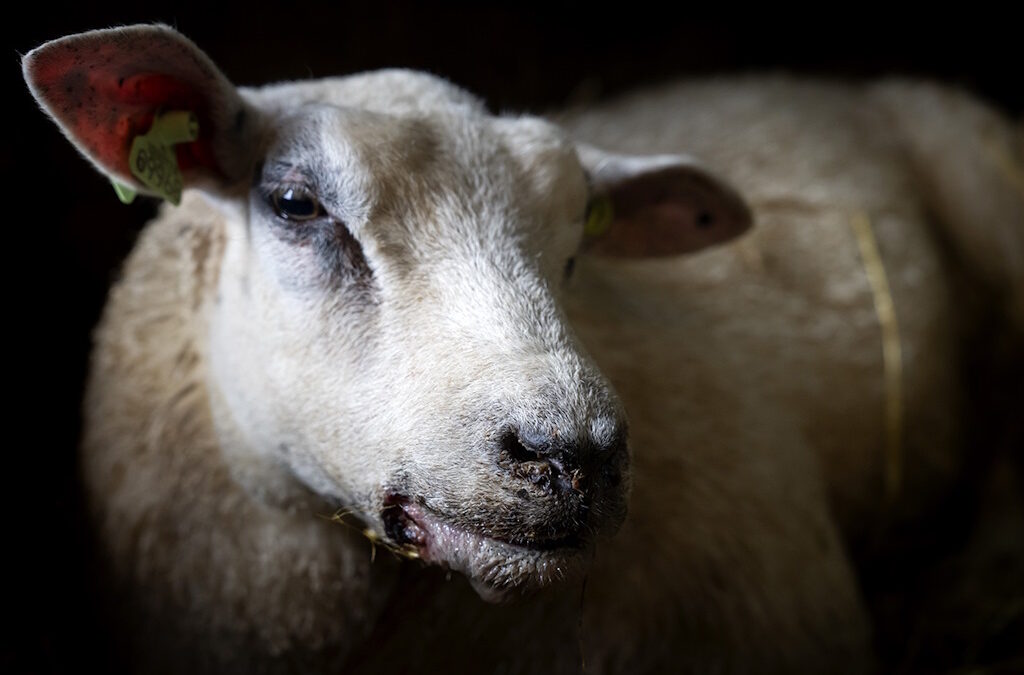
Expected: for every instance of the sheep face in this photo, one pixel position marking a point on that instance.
(387, 327)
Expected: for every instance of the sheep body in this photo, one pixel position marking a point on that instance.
(751, 373)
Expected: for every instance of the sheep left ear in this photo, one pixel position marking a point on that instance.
(660, 205)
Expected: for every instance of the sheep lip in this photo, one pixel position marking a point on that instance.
(412, 524)
(498, 570)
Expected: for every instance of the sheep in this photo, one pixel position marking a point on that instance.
(383, 317)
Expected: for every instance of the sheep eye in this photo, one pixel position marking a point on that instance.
(295, 203)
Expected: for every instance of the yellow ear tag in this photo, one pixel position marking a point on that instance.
(599, 216)
(152, 159)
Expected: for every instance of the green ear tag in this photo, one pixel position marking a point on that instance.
(152, 159)
(599, 216)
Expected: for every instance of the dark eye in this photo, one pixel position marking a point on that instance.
(295, 203)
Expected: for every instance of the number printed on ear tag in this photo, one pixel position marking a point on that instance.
(152, 159)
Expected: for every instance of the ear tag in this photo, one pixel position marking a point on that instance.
(152, 159)
(123, 192)
(599, 216)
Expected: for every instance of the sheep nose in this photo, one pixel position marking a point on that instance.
(560, 465)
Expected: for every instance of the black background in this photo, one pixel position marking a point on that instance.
(65, 232)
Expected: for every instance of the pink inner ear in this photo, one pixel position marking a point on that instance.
(673, 211)
(104, 105)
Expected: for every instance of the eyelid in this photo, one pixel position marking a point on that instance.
(270, 184)
(283, 175)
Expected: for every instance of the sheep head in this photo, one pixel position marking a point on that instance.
(386, 332)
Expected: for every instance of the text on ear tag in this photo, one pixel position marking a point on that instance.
(152, 159)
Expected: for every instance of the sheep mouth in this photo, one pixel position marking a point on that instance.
(410, 525)
(499, 566)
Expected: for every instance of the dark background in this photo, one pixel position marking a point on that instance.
(65, 232)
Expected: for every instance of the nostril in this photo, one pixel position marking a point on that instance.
(512, 447)
(531, 461)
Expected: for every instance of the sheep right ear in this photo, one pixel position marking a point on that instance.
(105, 88)
(658, 205)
